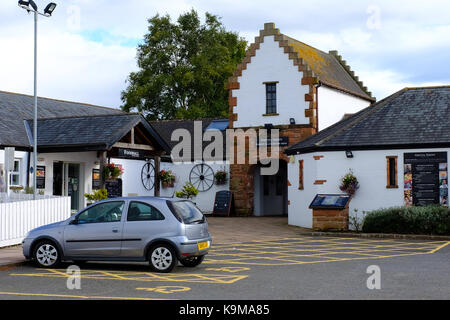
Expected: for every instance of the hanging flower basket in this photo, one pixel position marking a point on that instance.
(220, 177)
(167, 178)
(349, 184)
(111, 172)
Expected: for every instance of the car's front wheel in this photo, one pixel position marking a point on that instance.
(162, 258)
(46, 254)
(192, 262)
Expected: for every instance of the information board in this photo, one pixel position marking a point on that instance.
(96, 179)
(425, 178)
(223, 203)
(330, 201)
(114, 188)
(40, 177)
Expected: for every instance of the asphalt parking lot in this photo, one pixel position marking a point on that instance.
(295, 267)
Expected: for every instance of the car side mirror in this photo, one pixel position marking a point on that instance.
(74, 221)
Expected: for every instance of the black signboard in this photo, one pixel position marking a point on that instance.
(114, 188)
(40, 177)
(130, 154)
(281, 141)
(425, 178)
(96, 179)
(223, 203)
(330, 201)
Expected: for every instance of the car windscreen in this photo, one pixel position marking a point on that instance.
(186, 212)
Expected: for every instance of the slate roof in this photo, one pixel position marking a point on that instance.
(330, 68)
(15, 108)
(412, 117)
(166, 127)
(90, 132)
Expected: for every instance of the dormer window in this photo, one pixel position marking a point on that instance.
(271, 97)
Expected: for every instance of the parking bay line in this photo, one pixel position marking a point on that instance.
(48, 295)
(145, 277)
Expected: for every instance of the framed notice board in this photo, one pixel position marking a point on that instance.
(330, 201)
(96, 180)
(223, 203)
(40, 177)
(114, 188)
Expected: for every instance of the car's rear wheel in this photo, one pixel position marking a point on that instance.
(162, 258)
(192, 262)
(46, 254)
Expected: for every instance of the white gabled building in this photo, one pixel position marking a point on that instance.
(288, 85)
(397, 149)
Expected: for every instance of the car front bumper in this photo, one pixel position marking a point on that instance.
(26, 247)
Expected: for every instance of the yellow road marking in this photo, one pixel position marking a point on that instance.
(135, 276)
(76, 296)
(440, 247)
(165, 289)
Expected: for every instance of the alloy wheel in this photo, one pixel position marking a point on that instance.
(47, 255)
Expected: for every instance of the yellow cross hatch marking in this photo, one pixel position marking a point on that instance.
(139, 276)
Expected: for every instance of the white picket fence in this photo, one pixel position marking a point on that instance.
(17, 217)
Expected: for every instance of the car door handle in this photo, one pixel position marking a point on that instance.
(115, 230)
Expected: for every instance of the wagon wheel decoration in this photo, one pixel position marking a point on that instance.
(202, 177)
(148, 176)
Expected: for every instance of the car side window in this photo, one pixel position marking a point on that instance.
(103, 212)
(139, 211)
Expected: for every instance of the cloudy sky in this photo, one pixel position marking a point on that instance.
(88, 48)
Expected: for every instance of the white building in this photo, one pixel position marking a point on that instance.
(397, 149)
(288, 85)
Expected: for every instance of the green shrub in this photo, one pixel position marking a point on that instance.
(409, 220)
(188, 191)
(97, 195)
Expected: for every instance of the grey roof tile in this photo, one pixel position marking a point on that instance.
(412, 116)
(15, 108)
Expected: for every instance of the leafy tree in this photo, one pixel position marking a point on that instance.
(184, 68)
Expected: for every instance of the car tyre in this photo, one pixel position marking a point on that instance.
(46, 254)
(162, 258)
(192, 262)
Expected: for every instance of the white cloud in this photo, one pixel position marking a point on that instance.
(73, 67)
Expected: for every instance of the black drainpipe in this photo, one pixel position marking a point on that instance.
(317, 104)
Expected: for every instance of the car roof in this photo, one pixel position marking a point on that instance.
(146, 198)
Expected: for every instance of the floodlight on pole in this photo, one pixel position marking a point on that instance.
(47, 13)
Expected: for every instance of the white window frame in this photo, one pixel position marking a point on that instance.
(15, 173)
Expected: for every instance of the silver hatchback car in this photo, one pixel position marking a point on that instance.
(161, 231)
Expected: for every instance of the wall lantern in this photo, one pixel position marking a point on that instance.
(292, 121)
(349, 154)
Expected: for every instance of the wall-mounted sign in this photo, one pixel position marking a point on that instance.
(130, 154)
(425, 178)
(40, 177)
(330, 201)
(114, 188)
(96, 179)
(281, 141)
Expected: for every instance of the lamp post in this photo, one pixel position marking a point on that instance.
(31, 6)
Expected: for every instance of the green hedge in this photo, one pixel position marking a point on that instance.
(409, 220)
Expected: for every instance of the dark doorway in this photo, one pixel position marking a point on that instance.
(58, 178)
(270, 193)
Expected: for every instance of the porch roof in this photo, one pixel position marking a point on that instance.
(91, 133)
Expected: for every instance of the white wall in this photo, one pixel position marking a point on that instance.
(23, 156)
(368, 166)
(333, 104)
(270, 64)
(87, 161)
(132, 183)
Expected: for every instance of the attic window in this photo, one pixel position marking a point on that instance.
(271, 98)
